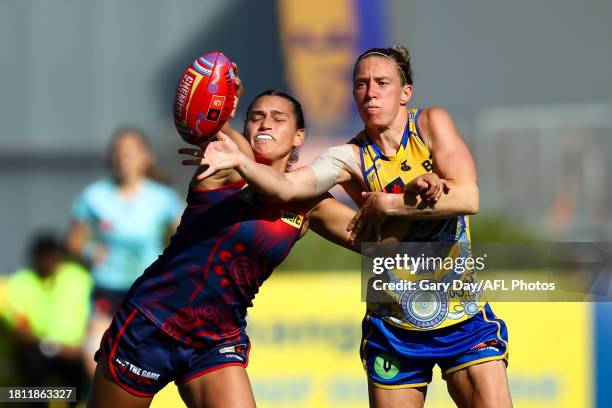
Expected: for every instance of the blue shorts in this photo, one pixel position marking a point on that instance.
(400, 358)
(142, 359)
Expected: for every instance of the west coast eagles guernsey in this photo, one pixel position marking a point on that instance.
(418, 309)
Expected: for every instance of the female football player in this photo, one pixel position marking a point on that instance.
(183, 320)
(406, 163)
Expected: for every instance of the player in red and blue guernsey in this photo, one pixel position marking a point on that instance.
(184, 319)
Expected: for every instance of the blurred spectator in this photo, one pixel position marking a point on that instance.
(2, 292)
(119, 225)
(46, 309)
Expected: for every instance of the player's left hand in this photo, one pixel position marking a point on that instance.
(367, 223)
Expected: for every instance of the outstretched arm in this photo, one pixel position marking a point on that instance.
(303, 183)
(330, 217)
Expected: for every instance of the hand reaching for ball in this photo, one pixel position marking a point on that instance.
(221, 154)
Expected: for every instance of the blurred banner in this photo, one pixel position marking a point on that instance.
(306, 328)
(320, 41)
(548, 167)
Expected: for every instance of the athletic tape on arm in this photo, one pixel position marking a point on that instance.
(328, 165)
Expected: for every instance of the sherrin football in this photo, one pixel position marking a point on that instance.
(204, 98)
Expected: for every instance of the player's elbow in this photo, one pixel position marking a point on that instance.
(282, 196)
(291, 189)
(472, 207)
(279, 199)
(472, 202)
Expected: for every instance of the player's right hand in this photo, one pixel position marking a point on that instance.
(222, 154)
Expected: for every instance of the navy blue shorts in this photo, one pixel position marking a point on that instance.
(398, 358)
(142, 359)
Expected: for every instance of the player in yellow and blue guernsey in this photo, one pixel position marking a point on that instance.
(410, 164)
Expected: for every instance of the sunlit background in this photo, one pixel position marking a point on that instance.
(528, 84)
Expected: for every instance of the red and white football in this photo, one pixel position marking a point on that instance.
(204, 98)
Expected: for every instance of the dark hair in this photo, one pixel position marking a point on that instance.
(130, 129)
(397, 53)
(153, 172)
(44, 243)
(297, 110)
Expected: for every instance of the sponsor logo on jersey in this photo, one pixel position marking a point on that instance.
(397, 186)
(427, 165)
(231, 356)
(237, 348)
(235, 352)
(126, 366)
(292, 219)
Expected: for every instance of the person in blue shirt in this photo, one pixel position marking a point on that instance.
(119, 226)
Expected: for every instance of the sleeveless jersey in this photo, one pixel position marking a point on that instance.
(418, 310)
(227, 244)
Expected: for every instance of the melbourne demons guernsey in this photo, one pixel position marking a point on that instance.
(227, 244)
(414, 309)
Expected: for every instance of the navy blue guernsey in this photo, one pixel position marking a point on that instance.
(228, 242)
